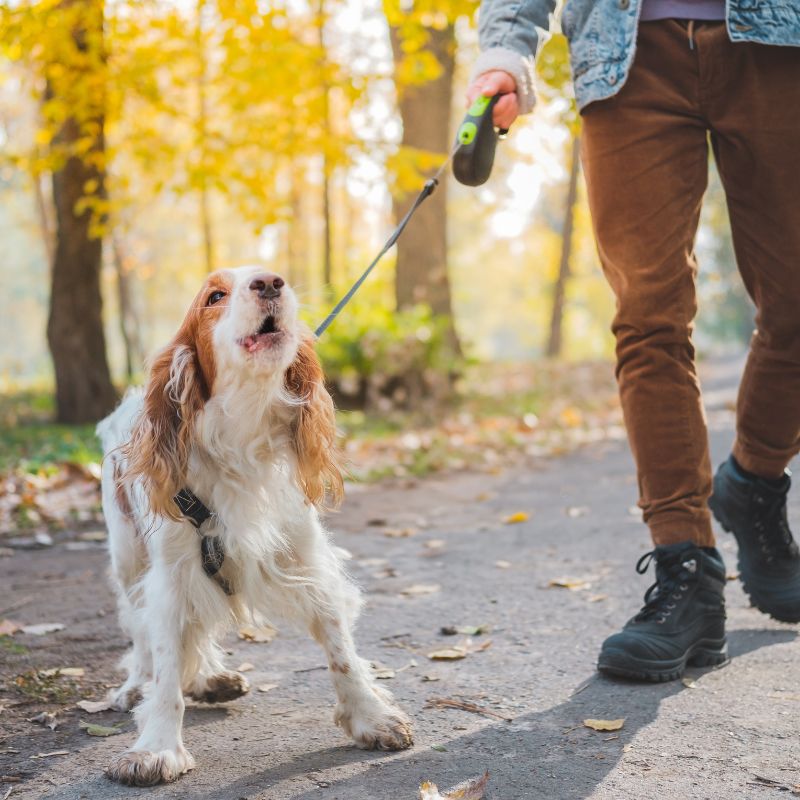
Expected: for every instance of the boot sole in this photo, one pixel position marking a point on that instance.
(755, 601)
(706, 653)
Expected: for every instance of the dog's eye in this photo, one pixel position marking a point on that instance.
(214, 297)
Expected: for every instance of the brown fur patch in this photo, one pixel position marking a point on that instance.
(318, 458)
(222, 688)
(181, 380)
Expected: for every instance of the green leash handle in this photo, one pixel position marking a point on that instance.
(475, 142)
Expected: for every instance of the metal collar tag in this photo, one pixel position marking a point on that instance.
(212, 550)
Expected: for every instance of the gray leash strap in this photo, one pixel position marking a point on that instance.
(427, 191)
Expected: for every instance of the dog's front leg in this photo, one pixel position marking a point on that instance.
(365, 711)
(159, 755)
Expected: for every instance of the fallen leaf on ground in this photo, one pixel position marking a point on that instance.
(571, 417)
(93, 706)
(373, 562)
(596, 598)
(421, 588)
(732, 576)
(43, 628)
(100, 730)
(245, 666)
(93, 536)
(435, 544)
(519, 516)
(450, 702)
(689, 683)
(448, 654)
(783, 696)
(46, 718)
(267, 687)
(503, 564)
(472, 789)
(574, 584)
(8, 627)
(381, 671)
(577, 511)
(67, 672)
(399, 533)
(604, 724)
(464, 630)
(439, 748)
(430, 678)
(259, 634)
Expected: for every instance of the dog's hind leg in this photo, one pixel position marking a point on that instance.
(128, 563)
(137, 661)
(211, 682)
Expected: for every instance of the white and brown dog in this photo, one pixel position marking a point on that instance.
(235, 423)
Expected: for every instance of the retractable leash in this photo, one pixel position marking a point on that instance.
(472, 156)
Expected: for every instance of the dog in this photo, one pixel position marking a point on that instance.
(212, 482)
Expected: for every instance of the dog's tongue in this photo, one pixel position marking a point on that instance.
(250, 343)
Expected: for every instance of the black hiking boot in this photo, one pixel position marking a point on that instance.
(682, 621)
(754, 510)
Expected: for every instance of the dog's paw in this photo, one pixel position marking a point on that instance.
(144, 768)
(124, 697)
(220, 688)
(377, 726)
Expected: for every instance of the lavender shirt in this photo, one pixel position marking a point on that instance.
(682, 9)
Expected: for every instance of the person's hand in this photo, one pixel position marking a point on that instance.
(495, 82)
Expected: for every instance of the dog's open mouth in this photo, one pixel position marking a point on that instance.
(266, 336)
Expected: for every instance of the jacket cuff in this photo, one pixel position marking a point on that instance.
(521, 68)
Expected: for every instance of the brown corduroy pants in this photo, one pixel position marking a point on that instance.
(645, 156)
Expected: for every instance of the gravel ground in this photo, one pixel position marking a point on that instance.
(722, 734)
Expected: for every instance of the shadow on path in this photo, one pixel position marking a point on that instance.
(546, 754)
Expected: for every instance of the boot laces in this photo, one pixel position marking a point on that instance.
(772, 526)
(673, 575)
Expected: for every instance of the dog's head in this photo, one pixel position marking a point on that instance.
(240, 334)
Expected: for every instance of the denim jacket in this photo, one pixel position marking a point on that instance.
(602, 38)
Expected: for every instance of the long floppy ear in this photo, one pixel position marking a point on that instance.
(158, 450)
(314, 431)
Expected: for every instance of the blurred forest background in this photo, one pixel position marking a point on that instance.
(144, 143)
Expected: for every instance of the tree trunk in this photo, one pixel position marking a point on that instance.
(43, 211)
(84, 392)
(555, 340)
(327, 267)
(296, 236)
(421, 274)
(202, 138)
(128, 319)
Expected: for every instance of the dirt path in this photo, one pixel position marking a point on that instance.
(717, 738)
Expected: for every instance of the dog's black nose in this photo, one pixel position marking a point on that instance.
(267, 286)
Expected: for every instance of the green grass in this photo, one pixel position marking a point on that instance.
(31, 442)
(9, 646)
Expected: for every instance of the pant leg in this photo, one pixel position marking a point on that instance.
(754, 112)
(645, 157)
